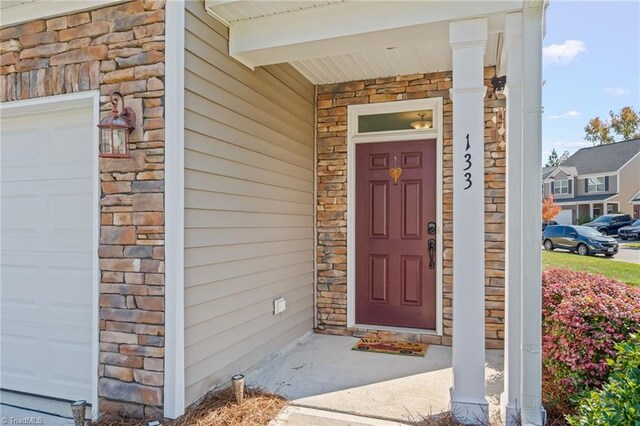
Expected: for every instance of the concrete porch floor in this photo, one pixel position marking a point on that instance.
(322, 372)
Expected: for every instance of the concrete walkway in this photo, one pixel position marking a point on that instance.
(324, 374)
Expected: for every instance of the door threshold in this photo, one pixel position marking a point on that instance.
(429, 331)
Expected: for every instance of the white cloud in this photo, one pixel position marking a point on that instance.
(568, 114)
(615, 91)
(564, 53)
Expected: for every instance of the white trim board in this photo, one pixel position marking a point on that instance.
(174, 388)
(353, 138)
(89, 99)
(40, 9)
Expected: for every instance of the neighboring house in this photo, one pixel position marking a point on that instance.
(280, 151)
(596, 181)
(635, 202)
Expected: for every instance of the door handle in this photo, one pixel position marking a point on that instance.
(432, 251)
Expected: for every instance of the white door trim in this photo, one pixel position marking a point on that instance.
(174, 388)
(89, 99)
(353, 138)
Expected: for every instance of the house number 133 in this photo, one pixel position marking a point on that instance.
(467, 159)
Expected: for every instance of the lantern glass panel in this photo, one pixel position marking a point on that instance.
(119, 141)
(105, 140)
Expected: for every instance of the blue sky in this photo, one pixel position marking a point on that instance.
(591, 65)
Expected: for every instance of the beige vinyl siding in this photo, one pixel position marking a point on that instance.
(248, 207)
(629, 184)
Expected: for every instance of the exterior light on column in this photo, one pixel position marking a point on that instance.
(497, 84)
(115, 130)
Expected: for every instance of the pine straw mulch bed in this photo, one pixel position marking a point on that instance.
(217, 408)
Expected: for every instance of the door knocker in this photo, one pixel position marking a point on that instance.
(395, 171)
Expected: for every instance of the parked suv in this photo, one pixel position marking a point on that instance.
(549, 223)
(630, 231)
(581, 239)
(610, 223)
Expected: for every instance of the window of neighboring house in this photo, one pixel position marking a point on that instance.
(596, 184)
(610, 209)
(561, 187)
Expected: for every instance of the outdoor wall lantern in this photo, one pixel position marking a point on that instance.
(497, 84)
(115, 130)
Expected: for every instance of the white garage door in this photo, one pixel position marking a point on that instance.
(46, 253)
(565, 217)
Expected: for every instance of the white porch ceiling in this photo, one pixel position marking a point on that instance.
(394, 45)
(423, 57)
(234, 11)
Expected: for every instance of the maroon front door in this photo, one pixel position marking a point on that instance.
(395, 202)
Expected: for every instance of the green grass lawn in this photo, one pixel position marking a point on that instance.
(623, 271)
(631, 245)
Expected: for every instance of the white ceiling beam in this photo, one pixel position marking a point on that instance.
(350, 26)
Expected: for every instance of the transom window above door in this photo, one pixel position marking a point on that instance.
(393, 121)
(561, 186)
(596, 184)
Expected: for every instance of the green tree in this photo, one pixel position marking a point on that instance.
(624, 125)
(554, 160)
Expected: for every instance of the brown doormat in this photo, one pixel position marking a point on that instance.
(390, 347)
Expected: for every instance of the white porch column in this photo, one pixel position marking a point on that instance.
(468, 40)
(590, 210)
(532, 33)
(510, 401)
(604, 207)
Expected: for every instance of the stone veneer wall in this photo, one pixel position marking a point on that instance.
(117, 48)
(332, 102)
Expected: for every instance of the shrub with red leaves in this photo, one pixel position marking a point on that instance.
(583, 317)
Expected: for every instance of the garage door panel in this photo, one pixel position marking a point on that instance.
(53, 287)
(48, 216)
(65, 281)
(28, 368)
(48, 150)
(17, 292)
(68, 144)
(19, 214)
(68, 213)
(20, 149)
(47, 255)
(565, 217)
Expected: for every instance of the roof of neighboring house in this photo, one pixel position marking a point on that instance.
(636, 198)
(552, 171)
(603, 158)
(584, 198)
(546, 171)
